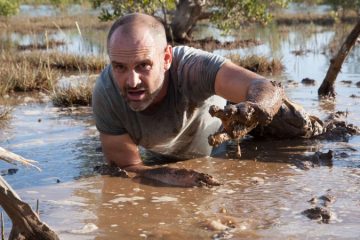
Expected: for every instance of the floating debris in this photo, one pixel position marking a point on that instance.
(308, 81)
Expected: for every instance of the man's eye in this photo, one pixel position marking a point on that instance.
(145, 66)
(118, 67)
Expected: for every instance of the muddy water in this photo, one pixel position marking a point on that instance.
(263, 193)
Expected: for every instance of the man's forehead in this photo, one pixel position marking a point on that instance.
(130, 55)
(136, 35)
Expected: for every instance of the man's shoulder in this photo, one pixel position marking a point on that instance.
(104, 81)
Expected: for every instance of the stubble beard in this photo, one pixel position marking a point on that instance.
(138, 106)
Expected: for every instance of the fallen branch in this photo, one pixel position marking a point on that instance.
(26, 223)
(14, 159)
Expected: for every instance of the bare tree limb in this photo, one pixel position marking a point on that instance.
(26, 223)
(14, 158)
(327, 87)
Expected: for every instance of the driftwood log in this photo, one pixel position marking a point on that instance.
(327, 87)
(26, 223)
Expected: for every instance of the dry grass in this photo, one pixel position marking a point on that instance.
(258, 64)
(41, 70)
(74, 95)
(5, 112)
(324, 19)
(40, 46)
(30, 25)
(18, 74)
(67, 62)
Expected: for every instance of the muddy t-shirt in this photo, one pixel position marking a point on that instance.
(181, 124)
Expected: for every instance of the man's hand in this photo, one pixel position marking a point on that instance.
(237, 121)
(180, 177)
(263, 101)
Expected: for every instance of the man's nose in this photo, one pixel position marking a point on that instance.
(133, 79)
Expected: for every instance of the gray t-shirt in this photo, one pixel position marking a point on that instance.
(181, 124)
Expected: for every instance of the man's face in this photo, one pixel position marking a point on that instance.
(139, 67)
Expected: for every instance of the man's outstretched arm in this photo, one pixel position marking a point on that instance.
(257, 101)
(121, 151)
(237, 84)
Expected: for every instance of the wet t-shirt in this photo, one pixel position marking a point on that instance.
(180, 125)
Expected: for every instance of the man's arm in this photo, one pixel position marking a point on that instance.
(257, 101)
(121, 151)
(238, 84)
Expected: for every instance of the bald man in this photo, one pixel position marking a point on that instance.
(157, 96)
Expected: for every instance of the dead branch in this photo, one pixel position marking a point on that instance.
(14, 158)
(327, 87)
(26, 223)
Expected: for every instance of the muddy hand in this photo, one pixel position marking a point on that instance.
(180, 177)
(263, 102)
(237, 121)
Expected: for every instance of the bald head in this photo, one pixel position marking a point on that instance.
(130, 25)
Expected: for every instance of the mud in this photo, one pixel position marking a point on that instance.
(290, 121)
(322, 213)
(238, 120)
(112, 171)
(180, 177)
(308, 81)
(316, 160)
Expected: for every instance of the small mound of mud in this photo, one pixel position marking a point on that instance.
(322, 213)
(111, 171)
(336, 128)
(308, 81)
(10, 171)
(346, 82)
(316, 160)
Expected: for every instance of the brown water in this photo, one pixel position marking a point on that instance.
(263, 193)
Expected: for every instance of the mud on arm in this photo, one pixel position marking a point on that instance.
(256, 100)
(121, 152)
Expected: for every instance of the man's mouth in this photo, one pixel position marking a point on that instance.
(135, 94)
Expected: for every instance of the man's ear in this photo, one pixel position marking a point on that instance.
(167, 57)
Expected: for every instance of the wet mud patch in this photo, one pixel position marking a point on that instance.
(321, 213)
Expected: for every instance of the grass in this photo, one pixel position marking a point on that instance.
(18, 74)
(324, 19)
(5, 112)
(258, 64)
(40, 70)
(40, 46)
(67, 62)
(31, 25)
(70, 96)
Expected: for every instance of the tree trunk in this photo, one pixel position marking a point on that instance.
(186, 14)
(327, 87)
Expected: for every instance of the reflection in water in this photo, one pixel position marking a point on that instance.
(262, 196)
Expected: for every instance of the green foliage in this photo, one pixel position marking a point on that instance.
(226, 14)
(121, 7)
(8, 7)
(233, 13)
